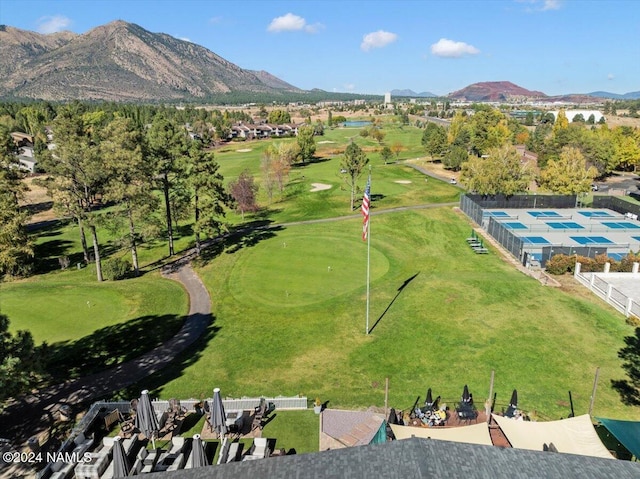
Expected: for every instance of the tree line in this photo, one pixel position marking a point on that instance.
(140, 161)
(569, 155)
(148, 176)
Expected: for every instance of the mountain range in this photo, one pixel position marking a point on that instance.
(634, 95)
(413, 94)
(119, 61)
(122, 61)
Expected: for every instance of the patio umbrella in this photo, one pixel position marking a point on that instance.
(218, 420)
(429, 401)
(514, 399)
(393, 417)
(198, 457)
(120, 463)
(146, 420)
(466, 397)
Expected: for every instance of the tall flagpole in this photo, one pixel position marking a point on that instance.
(368, 248)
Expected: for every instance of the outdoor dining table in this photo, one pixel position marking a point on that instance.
(234, 417)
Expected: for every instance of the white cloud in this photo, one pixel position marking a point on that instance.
(286, 23)
(349, 87)
(551, 5)
(450, 49)
(52, 24)
(292, 23)
(541, 5)
(610, 76)
(184, 39)
(215, 20)
(315, 28)
(377, 39)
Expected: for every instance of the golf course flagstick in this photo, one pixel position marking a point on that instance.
(366, 206)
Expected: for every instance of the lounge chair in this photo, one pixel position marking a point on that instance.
(178, 463)
(81, 444)
(260, 447)
(234, 448)
(147, 459)
(61, 470)
(177, 443)
(224, 451)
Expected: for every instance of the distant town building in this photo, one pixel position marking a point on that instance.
(387, 98)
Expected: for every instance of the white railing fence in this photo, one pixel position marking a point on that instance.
(598, 284)
(191, 405)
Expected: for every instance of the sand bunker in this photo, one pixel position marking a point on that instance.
(325, 141)
(320, 187)
(244, 150)
(403, 182)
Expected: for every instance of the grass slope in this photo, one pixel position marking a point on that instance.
(289, 325)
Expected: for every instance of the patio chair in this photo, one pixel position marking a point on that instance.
(116, 417)
(207, 415)
(176, 408)
(112, 418)
(258, 414)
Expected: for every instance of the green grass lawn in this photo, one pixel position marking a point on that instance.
(299, 430)
(90, 326)
(70, 305)
(286, 324)
(289, 305)
(290, 429)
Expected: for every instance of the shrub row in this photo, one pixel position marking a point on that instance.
(562, 263)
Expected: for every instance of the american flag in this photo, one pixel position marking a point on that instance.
(366, 202)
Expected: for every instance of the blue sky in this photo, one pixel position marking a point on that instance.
(554, 46)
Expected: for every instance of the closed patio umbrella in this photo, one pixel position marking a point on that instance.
(514, 399)
(466, 397)
(146, 420)
(218, 420)
(429, 401)
(198, 457)
(120, 463)
(393, 417)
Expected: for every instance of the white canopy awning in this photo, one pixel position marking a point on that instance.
(575, 435)
(475, 434)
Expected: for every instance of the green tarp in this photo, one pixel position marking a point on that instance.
(627, 432)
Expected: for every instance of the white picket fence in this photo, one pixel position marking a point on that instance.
(597, 283)
(244, 403)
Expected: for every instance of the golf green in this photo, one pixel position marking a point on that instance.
(297, 268)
